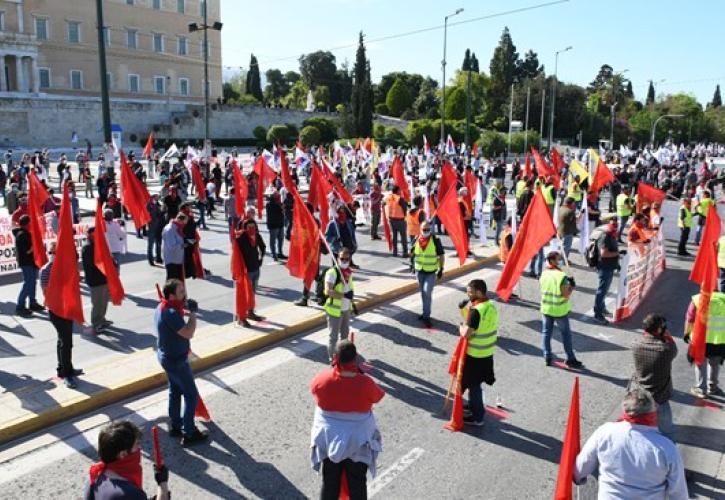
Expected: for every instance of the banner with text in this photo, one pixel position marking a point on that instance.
(641, 266)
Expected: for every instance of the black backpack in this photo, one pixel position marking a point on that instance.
(320, 296)
(591, 254)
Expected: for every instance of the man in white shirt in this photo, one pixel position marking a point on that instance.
(631, 457)
(115, 235)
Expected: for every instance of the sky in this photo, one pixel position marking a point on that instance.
(659, 40)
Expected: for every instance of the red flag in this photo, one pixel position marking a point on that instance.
(602, 177)
(474, 151)
(265, 176)
(386, 230)
(37, 196)
(460, 349)
(196, 256)
(536, 230)
(703, 263)
(63, 295)
(103, 260)
(317, 195)
(198, 181)
(337, 185)
(135, 196)
(304, 249)
(287, 181)
(241, 189)
(556, 161)
(149, 146)
(200, 411)
(449, 179)
(471, 182)
(570, 448)
(527, 167)
(647, 194)
(243, 294)
(542, 168)
(449, 212)
(456, 422)
(399, 175)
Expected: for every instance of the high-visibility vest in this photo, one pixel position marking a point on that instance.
(548, 192)
(688, 218)
(520, 188)
(721, 252)
(503, 249)
(483, 342)
(574, 191)
(715, 317)
(425, 260)
(395, 211)
(413, 222)
(491, 193)
(553, 303)
(704, 207)
(622, 209)
(333, 307)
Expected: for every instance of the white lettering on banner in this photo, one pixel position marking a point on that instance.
(640, 268)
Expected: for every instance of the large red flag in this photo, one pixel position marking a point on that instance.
(241, 189)
(37, 196)
(135, 196)
(304, 249)
(63, 294)
(527, 167)
(647, 194)
(449, 179)
(386, 230)
(196, 257)
(198, 181)
(287, 181)
(149, 146)
(556, 161)
(471, 182)
(536, 230)
(570, 448)
(243, 294)
(602, 177)
(456, 422)
(449, 212)
(265, 177)
(317, 196)
(460, 350)
(399, 176)
(103, 260)
(542, 168)
(337, 185)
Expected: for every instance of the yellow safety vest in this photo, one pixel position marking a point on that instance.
(553, 303)
(548, 192)
(483, 342)
(333, 307)
(491, 192)
(622, 209)
(715, 317)
(688, 218)
(704, 207)
(575, 191)
(425, 260)
(520, 188)
(721, 252)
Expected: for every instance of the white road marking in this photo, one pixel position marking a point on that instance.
(388, 475)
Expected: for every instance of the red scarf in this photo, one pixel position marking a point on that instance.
(252, 235)
(178, 305)
(423, 240)
(128, 467)
(346, 273)
(646, 419)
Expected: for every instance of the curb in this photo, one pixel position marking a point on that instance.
(151, 380)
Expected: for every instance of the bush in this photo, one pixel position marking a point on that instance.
(456, 104)
(310, 136)
(326, 126)
(398, 98)
(491, 143)
(260, 133)
(394, 137)
(519, 140)
(279, 133)
(382, 109)
(293, 130)
(416, 129)
(379, 131)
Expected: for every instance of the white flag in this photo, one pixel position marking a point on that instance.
(585, 229)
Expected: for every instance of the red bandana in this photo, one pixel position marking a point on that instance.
(128, 468)
(646, 419)
(423, 240)
(178, 305)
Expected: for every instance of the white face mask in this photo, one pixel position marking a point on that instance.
(425, 233)
(344, 265)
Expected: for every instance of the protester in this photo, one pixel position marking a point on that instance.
(507, 241)
(376, 203)
(707, 374)
(340, 232)
(173, 247)
(567, 228)
(275, 225)
(702, 208)
(97, 284)
(608, 262)
(413, 219)
(26, 262)
(625, 205)
(630, 457)
(637, 231)
(155, 229)
(395, 208)
(428, 259)
(684, 222)
(253, 250)
(116, 237)
(339, 290)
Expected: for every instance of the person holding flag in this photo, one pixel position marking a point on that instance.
(428, 260)
(607, 263)
(97, 283)
(395, 209)
(339, 290)
(707, 372)
(684, 222)
(26, 262)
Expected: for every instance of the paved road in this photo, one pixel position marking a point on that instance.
(262, 409)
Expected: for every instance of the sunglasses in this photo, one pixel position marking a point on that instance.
(344, 260)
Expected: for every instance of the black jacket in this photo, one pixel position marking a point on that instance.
(23, 243)
(93, 275)
(275, 215)
(252, 255)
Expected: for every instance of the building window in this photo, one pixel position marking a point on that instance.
(134, 84)
(132, 39)
(41, 28)
(76, 79)
(2, 21)
(158, 42)
(184, 86)
(182, 46)
(156, 4)
(180, 6)
(44, 77)
(107, 36)
(74, 32)
(160, 84)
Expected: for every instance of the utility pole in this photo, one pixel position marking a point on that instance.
(511, 117)
(553, 95)
(526, 122)
(468, 108)
(543, 106)
(443, 63)
(105, 100)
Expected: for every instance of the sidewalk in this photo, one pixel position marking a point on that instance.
(47, 402)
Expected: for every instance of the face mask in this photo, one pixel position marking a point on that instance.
(425, 233)
(344, 264)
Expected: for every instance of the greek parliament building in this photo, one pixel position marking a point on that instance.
(50, 47)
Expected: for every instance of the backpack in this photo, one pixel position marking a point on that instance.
(320, 296)
(591, 254)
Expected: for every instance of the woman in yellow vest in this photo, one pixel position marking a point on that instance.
(339, 291)
(684, 222)
(481, 329)
(706, 381)
(702, 210)
(428, 259)
(556, 288)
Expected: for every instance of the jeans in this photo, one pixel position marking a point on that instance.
(426, 282)
(704, 380)
(475, 402)
(64, 346)
(499, 228)
(356, 479)
(566, 241)
(547, 328)
(698, 233)
(399, 229)
(684, 236)
(153, 245)
(202, 216)
(254, 279)
(339, 329)
(181, 383)
(622, 224)
(664, 420)
(537, 263)
(276, 238)
(605, 277)
(374, 222)
(30, 276)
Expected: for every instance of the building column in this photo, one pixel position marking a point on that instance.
(21, 19)
(20, 75)
(34, 74)
(3, 81)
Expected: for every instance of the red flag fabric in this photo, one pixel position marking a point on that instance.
(471, 182)
(449, 212)
(304, 250)
(527, 167)
(287, 181)
(200, 411)
(149, 146)
(456, 422)
(37, 196)
(198, 181)
(570, 448)
(317, 195)
(265, 176)
(241, 189)
(398, 174)
(460, 349)
(449, 179)
(542, 168)
(556, 160)
(135, 196)
(244, 300)
(103, 260)
(337, 185)
(344, 487)
(196, 256)
(602, 177)
(63, 294)
(536, 230)
(386, 230)
(648, 194)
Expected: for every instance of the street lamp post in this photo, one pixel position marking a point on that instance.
(654, 125)
(443, 100)
(105, 99)
(553, 94)
(205, 26)
(611, 131)
(526, 125)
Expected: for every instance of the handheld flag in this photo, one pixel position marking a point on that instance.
(198, 182)
(241, 189)
(602, 177)
(304, 250)
(456, 422)
(149, 146)
(244, 300)
(37, 196)
(103, 259)
(570, 448)
(399, 175)
(647, 194)
(449, 212)
(449, 179)
(387, 231)
(135, 196)
(265, 176)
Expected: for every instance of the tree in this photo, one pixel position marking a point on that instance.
(291, 77)
(361, 100)
(297, 97)
(466, 66)
(326, 127)
(528, 68)
(399, 98)
(310, 136)
(650, 94)
(279, 134)
(474, 63)
(604, 76)
(229, 93)
(426, 104)
(318, 68)
(456, 104)
(412, 82)
(277, 87)
(629, 93)
(503, 73)
(716, 99)
(321, 96)
(254, 82)
(260, 133)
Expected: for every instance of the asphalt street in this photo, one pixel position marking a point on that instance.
(262, 408)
